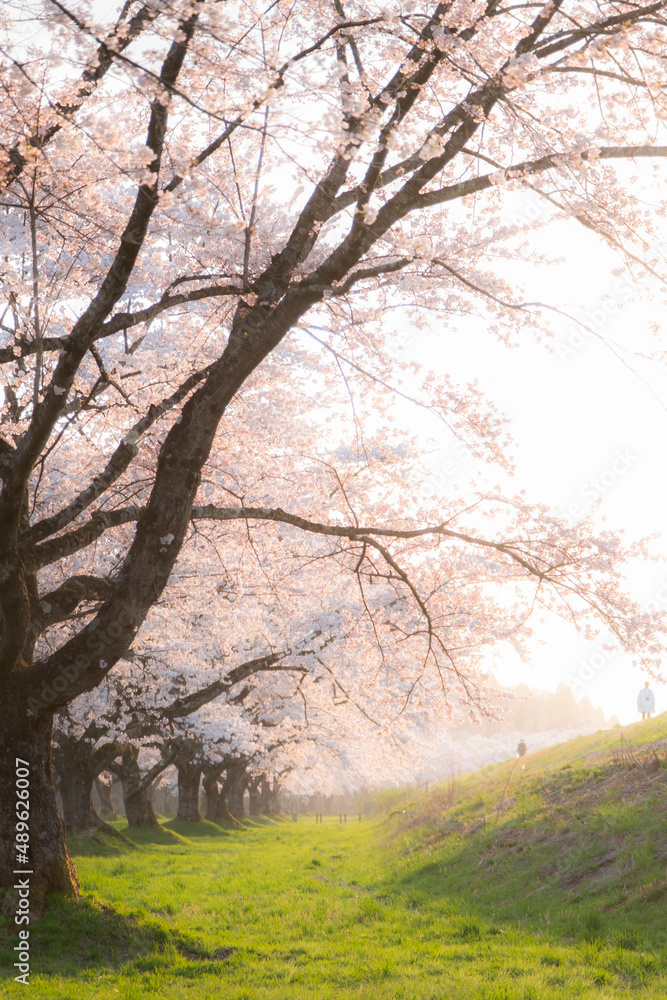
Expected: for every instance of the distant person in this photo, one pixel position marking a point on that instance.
(521, 749)
(646, 702)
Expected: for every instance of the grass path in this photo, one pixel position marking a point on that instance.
(434, 902)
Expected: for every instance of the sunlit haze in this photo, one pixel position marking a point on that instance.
(588, 413)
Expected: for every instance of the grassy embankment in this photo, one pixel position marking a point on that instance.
(559, 893)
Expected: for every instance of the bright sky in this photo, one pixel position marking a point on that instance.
(587, 428)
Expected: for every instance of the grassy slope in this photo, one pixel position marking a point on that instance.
(559, 894)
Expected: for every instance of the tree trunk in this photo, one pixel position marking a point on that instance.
(189, 777)
(76, 770)
(76, 788)
(266, 805)
(275, 797)
(222, 813)
(230, 800)
(210, 783)
(138, 808)
(104, 792)
(236, 781)
(77, 764)
(254, 797)
(26, 767)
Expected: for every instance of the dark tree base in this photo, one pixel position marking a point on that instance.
(23, 738)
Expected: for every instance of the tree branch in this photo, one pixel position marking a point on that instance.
(120, 460)
(115, 43)
(58, 604)
(80, 538)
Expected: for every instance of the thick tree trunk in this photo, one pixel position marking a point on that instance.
(210, 784)
(26, 770)
(254, 797)
(76, 770)
(222, 813)
(138, 808)
(189, 777)
(230, 799)
(76, 788)
(211, 790)
(236, 780)
(77, 764)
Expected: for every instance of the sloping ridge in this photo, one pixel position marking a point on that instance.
(575, 834)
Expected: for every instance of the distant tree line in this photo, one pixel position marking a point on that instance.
(532, 711)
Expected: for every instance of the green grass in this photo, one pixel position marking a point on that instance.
(558, 892)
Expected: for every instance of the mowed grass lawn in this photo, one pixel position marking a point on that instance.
(558, 896)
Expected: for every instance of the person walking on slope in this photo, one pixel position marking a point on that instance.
(646, 702)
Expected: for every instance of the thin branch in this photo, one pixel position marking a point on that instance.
(116, 466)
(108, 48)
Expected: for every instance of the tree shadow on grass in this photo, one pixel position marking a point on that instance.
(85, 935)
(143, 836)
(170, 834)
(97, 844)
(264, 820)
(203, 828)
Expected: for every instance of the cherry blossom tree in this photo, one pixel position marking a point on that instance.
(189, 721)
(209, 215)
(79, 759)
